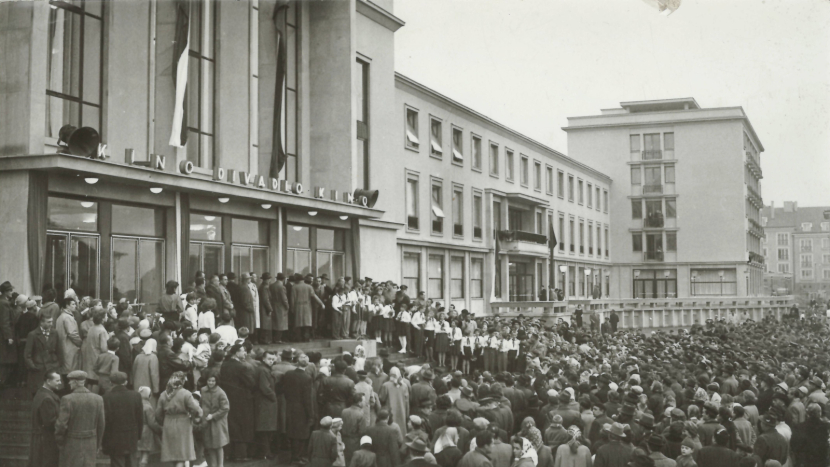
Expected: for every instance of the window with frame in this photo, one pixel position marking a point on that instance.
(572, 234)
(634, 145)
(524, 174)
(456, 277)
(806, 261)
(668, 145)
(669, 169)
(436, 137)
(825, 274)
(72, 246)
(783, 239)
(580, 193)
(637, 241)
(806, 273)
(636, 209)
(330, 252)
(561, 233)
(508, 165)
(590, 196)
(807, 226)
(635, 175)
(598, 199)
(476, 278)
(411, 270)
(477, 215)
(476, 150)
(599, 240)
(412, 140)
(361, 105)
(825, 226)
(537, 176)
(539, 225)
(825, 243)
(607, 243)
(783, 254)
(671, 208)
(671, 241)
(412, 213)
(437, 215)
(806, 244)
(581, 237)
(560, 183)
(825, 259)
(457, 145)
(653, 183)
(605, 201)
(570, 188)
(784, 268)
(549, 180)
(590, 238)
(249, 249)
(457, 211)
(435, 271)
(201, 71)
(494, 159)
(652, 147)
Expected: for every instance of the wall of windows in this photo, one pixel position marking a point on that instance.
(315, 250)
(435, 275)
(207, 250)
(714, 282)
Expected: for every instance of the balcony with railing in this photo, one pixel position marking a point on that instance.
(755, 228)
(653, 256)
(652, 189)
(652, 154)
(523, 243)
(654, 221)
(754, 165)
(754, 197)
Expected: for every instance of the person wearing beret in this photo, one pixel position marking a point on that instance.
(79, 430)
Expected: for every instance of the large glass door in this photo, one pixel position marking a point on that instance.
(250, 259)
(521, 282)
(80, 262)
(206, 257)
(138, 270)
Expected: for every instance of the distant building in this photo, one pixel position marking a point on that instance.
(797, 249)
(684, 223)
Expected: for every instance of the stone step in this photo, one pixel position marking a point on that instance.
(15, 436)
(16, 449)
(15, 425)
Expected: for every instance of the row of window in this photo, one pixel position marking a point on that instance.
(596, 197)
(655, 210)
(805, 273)
(652, 176)
(650, 147)
(411, 275)
(574, 236)
(806, 244)
(808, 226)
(652, 243)
(413, 216)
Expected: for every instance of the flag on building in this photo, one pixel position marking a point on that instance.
(181, 50)
(496, 277)
(278, 156)
(552, 242)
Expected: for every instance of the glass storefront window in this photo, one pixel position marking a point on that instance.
(138, 270)
(332, 240)
(205, 227)
(72, 214)
(298, 237)
(298, 261)
(81, 263)
(249, 259)
(206, 257)
(248, 231)
(134, 220)
(435, 269)
(331, 263)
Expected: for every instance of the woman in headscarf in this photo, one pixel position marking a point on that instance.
(394, 396)
(151, 431)
(359, 358)
(524, 454)
(146, 369)
(175, 408)
(447, 453)
(336, 426)
(574, 453)
(531, 433)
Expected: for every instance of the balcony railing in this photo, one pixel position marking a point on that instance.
(653, 255)
(652, 154)
(521, 236)
(754, 165)
(655, 221)
(756, 258)
(652, 189)
(754, 197)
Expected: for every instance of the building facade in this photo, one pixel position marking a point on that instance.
(797, 250)
(684, 224)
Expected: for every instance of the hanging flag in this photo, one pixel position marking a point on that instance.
(496, 277)
(181, 50)
(278, 156)
(552, 242)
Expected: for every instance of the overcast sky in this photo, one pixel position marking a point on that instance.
(530, 64)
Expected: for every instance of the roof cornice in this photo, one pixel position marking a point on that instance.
(379, 15)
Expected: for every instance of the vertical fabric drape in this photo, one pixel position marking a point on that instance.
(36, 234)
(185, 250)
(356, 249)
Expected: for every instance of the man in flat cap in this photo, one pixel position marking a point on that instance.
(81, 414)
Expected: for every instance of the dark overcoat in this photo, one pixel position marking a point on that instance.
(322, 449)
(265, 399)
(385, 442)
(80, 428)
(238, 381)
(8, 352)
(40, 355)
(302, 296)
(279, 302)
(265, 307)
(43, 449)
(124, 414)
(296, 387)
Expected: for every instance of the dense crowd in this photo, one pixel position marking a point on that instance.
(133, 383)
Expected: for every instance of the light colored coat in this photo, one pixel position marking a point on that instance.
(173, 413)
(69, 343)
(302, 295)
(146, 372)
(215, 432)
(94, 345)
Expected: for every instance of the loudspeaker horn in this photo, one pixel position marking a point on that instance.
(371, 196)
(82, 141)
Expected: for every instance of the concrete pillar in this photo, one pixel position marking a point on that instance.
(14, 257)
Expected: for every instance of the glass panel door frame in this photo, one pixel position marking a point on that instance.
(138, 240)
(201, 254)
(251, 249)
(67, 267)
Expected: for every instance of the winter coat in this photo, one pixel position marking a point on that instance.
(302, 297)
(40, 355)
(69, 343)
(215, 432)
(279, 302)
(174, 412)
(43, 449)
(94, 345)
(8, 352)
(265, 399)
(124, 415)
(296, 387)
(150, 440)
(80, 427)
(146, 372)
(238, 381)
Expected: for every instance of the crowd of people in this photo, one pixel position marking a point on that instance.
(132, 384)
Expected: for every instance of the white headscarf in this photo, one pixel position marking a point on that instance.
(395, 376)
(447, 440)
(149, 346)
(528, 452)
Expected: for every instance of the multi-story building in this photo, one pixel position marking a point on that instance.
(797, 249)
(684, 224)
(464, 180)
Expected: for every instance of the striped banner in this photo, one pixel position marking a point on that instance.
(181, 51)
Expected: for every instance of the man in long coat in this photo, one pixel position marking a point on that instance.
(385, 441)
(279, 298)
(336, 391)
(238, 381)
(124, 415)
(213, 289)
(322, 449)
(244, 304)
(304, 298)
(69, 340)
(8, 348)
(79, 430)
(296, 386)
(266, 310)
(265, 404)
(43, 449)
(41, 353)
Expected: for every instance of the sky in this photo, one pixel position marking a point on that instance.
(530, 64)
